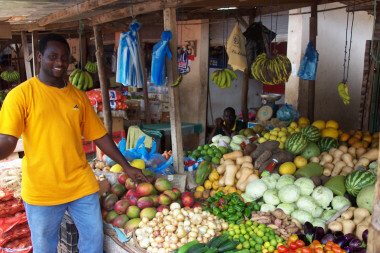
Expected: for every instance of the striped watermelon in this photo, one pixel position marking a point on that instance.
(296, 143)
(357, 180)
(325, 143)
(311, 132)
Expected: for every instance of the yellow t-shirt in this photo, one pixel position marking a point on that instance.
(52, 122)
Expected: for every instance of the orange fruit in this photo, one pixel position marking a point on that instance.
(358, 134)
(332, 124)
(330, 132)
(352, 140)
(320, 124)
(344, 137)
(357, 144)
(367, 138)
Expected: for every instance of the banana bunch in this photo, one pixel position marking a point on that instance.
(81, 79)
(10, 76)
(178, 81)
(271, 71)
(91, 67)
(223, 78)
(343, 93)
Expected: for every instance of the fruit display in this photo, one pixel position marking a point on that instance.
(273, 122)
(91, 67)
(209, 153)
(223, 78)
(81, 79)
(359, 139)
(10, 76)
(271, 70)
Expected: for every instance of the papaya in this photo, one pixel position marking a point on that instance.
(203, 171)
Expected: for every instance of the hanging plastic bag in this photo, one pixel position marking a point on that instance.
(309, 63)
(287, 112)
(160, 50)
(235, 48)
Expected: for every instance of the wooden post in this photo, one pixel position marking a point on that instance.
(18, 53)
(373, 243)
(102, 79)
(312, 38)
(170, 24)
(35, 50)
(145, 87)
(24, 41)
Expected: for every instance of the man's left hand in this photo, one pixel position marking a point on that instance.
(135, 174)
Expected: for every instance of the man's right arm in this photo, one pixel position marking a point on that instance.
(7, 145)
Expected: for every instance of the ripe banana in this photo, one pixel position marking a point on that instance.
(271, 71)
(343, 93)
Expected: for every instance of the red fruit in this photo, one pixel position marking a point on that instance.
(172, 195)
(104, 213)
(197, 205)
(144, 202)
(188, 201)
(163, 184)
(144, 189)
(164, 200)
(177, 192)
(122, 178)
(160, 208)
(118, 189)
(132, 197)
(186, 194)
(121, 206)
(129, 184)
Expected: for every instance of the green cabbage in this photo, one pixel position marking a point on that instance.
(216, 138)
(270, 197)
(327, 214)
(238, 139)
(302, 216)
(289, 193)
(339, 202)
(255, 190)
(287, 208)
(267, 207)
(270, 181)
(317, 212)
(323, 196)
(284, 180)
(319, 223)
(306, 203)
(226, 139)
(306, 185)
(275, 176)
(235, 146)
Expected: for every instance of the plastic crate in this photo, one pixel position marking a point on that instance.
(68, 236)
(89, 146)
(117, 136)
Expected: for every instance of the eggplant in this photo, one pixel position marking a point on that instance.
(327, 238)
(365, 236)
(309, 231)
(329, 231)
(318, 233)
(360, 250)
(348, 249)
(355, 243)
(350, 237)
(338, 234)
(341, 241)
(303, 238)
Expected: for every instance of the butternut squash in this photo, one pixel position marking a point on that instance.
(229, 175)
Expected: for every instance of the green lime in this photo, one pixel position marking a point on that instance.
(207, 158)
(260, 233)
(231, 233)
(246, 245)
(236, 237)
(252, 243)
(258, 247)
(259, 240)
(236, 227)
(218, 155)
(256, 224)
(204, 152)
(237, 232)
(266, 244)
(223, 150)
(265, 238)
(196, 153)
(215, 160)
(273, 242)
(210, 152)
(251, 233)
(241, 239)
(262, 226)
(200, 147)
(248, 223)
(240, 246)
(252, 250)
(246, 236)
(206, 146)
(271, 248)
(243, 231)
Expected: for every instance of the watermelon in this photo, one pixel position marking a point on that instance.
(310, 151)
(312, 133)
(357, 180)
(296, 143)
(325, 143)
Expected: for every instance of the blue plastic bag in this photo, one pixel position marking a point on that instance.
(160, 50)
(309, 63)
(287, 112)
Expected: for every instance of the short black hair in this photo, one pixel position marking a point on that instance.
(230, 109)
(51, 37)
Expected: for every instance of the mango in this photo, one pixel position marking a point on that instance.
(149, 212)
(131, 225)
(163, 184)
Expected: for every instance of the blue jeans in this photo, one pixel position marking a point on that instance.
(45, 221)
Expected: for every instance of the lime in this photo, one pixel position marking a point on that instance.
(232, 233)
(207, 158)
(252, 243)
(258, 247)
(200, 147)
(223, 150)
(241, 239)
(246, 236)
(259, 240)
(210, 152)
(243, 231)
(273, 242)
(236, 227)
(240, 246)
(196, 153)
(246, 245)
(265, 238)
(270, 248)
(215, 160)
(206, 146)
(266, 245)
(204, 152)
(262, 226)
(255, 224)
(218, 155)
(260, 233)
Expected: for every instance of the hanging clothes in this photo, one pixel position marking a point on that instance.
(160, 50)
(129, 70)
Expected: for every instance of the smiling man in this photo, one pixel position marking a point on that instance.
(52, 116)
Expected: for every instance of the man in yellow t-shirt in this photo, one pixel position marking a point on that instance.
(52, 116)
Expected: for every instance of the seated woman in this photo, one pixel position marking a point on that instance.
(228, 126)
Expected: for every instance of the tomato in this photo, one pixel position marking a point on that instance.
(299, 250)
(316, 242)
(312, 246)
(319, 250)
(306, 250)
(300, 243)
(293, 245)
(330, 243)
(343, 251)
(327, 248)
(282, 249)
(329, 251)
(293, 238)
(336, 249)
(275, 251)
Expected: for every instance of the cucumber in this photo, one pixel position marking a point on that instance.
(201, 250)
(219, 240)
(238, 250)
(186, 246)
(212, 250)
(195, 247)
(211, 242)
(228, 246)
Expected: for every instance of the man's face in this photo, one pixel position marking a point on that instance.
(55, 59)
(228, 117)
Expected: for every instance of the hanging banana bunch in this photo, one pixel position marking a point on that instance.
(223, 78)
(273, 70)
(10, 76)
(343, 93)
(91, 67)
(81, 79)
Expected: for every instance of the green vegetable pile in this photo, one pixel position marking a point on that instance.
(209, 153)
(230, 207)
(220, 243)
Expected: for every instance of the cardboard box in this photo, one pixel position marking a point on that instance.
(165, 117)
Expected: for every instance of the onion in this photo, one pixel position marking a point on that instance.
(161, 250)
(174, 222)
(202, 230)
(180, 217)
(163, 232)
(224, 225)
(154, 250)
(193, 234)
(173, 206)
(176, 212)
(186, 223)
(181, 233)
(185, 213)
(207, 235)
(173, 246)
(166, 245)
(145, 220)
(196, 219)
(144, 243)
(159, 239)
(170, 228)
(210, 231)
(156, 233)
(184, 240)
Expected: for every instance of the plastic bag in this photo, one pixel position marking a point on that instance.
(309, 63)
(236, 49)
(164, 168)
(160, 50)
(287, 112)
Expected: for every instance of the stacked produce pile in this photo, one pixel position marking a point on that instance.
(10, 76)
(116, 99)
(82, 80)
(14, 229)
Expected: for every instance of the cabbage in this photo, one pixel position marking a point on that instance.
(255, 190)
(270, 181)
(306, 185)
(267, 208)
(216, 138)
(302, 216)
(327, 214)
(373, 166)
(235, 146)
(323, 196)
(289, 193)
(275, 176)
(287, 208)
(284, 180)
(223, 144)
(214, 144)
(339, 202)
(306, 203)
(319, 223)
(270, 197)
(317, 212)
(226, 139)
(238, 139)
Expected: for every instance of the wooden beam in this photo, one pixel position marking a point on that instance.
(145, 87)
(103, 79)
(35, 50)
(25, 48)
(313, 39)
(73, 11)
(57, 26)
(170, 24)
